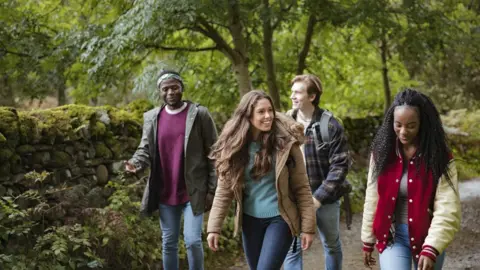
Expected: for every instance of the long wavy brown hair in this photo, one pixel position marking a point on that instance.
(230, 152)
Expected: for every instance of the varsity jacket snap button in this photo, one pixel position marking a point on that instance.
(411, 201)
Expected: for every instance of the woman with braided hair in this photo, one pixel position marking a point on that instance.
(412, 207)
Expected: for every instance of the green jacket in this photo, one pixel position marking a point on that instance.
(199, 170)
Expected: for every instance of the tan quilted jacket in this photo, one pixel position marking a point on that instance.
(294, 193)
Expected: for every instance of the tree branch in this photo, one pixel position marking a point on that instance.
(14, 53)
(183, 49)
(302, 56)
(207, 30)
(282, 13)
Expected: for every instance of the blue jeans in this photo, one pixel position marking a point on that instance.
(170, 217)
(328, 226)
(265, 241)
(399, 256)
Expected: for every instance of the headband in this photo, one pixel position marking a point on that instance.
(167, 76)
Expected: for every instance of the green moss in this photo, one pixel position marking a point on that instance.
(99, 129)
(29, 131)
(2, 138)
(60, 159)
(118, 149)
(16, 164)
(5, 154)
(138, 107)
(5, 169)
(24, 149)
(102, 151)
(9, 125)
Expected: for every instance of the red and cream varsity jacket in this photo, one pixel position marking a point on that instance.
(430, 230)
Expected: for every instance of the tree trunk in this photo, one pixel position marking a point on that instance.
(243, 77)
(240, 57)
(6, 93)
(386, 83)
(61, 97)
(268, 56)
(302, 56)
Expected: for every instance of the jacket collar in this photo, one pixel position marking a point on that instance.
(399, 153)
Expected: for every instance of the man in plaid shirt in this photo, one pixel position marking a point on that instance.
(327, 166)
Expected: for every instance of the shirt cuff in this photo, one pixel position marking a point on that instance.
(430, 252)
(368, 247)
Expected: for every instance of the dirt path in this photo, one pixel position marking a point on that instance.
(463, 253)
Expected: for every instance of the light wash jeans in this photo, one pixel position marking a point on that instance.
(170, 217)
(398, 256)
(328, 226)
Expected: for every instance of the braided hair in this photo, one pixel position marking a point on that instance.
(432, 141)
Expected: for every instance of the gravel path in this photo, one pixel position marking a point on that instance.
(462, 254)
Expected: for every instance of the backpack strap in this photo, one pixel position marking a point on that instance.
(324, 120)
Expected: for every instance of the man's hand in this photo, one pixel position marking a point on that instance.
(209, 201)
(212, 240)
(129, 167)
(425, 263)
(307, 240)
(368, 260)
(316, 203)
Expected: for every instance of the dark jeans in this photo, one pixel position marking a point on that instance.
(266, 241)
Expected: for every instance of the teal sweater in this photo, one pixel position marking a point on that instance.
(260, 196)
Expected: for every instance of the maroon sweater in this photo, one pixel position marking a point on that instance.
(171, 136)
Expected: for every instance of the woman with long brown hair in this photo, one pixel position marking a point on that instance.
(260, 165)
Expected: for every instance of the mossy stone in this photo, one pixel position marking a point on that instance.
(99, 129)
(29, 130)
(9, 125)
(16, 165)
(2, 138)
(5, 154)
(102, 151)
(41, 158)
(60, 159)
(25, 149)
(102, 174)
(5, 169)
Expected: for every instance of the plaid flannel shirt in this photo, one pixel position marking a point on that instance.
(327, 166)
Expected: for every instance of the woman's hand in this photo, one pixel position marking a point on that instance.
(368, 260)
(212, 240)
(425, 263)
(307, 240)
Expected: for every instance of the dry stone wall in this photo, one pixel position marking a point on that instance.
(79, 148)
